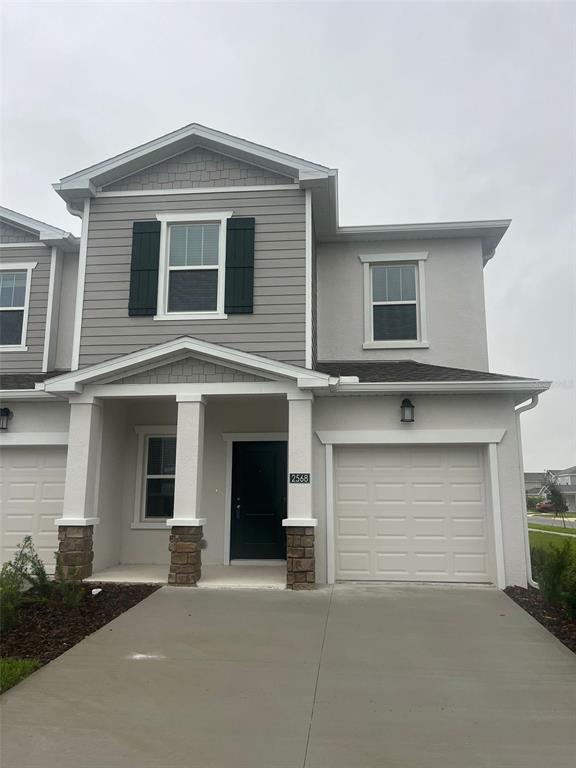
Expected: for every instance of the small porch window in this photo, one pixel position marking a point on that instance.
(154, 500)
(160, 475)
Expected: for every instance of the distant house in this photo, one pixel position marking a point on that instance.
(564, 478)
(533, 482)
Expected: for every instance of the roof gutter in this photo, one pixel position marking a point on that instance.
(530, 386)
(522, 409)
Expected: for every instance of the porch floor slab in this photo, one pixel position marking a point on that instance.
(355, 676)
(213, 576)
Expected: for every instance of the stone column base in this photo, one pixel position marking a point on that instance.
(300, 560)
(185, 555)
(75, 551)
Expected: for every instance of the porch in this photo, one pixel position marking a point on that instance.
(265, 575)
(189, 489)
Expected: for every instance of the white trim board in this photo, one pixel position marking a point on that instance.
(198, 190)
(80, 286)
(238, 437)
(411, 436)
(33, 438)
(308, 280)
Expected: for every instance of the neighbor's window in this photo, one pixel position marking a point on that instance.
(160, 474)
(193, 260)
(394, 302)
(12, 307)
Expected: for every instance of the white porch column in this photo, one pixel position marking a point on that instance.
(189, 461)
(79, 512)
(300, 523)
(83, 464)
(300, 460)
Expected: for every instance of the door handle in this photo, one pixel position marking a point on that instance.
(237, 511)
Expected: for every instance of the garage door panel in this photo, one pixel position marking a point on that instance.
(32, 497)
(423, 520)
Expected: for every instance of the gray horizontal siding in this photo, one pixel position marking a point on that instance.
(276, 329)
(31, 360)
(198, 167)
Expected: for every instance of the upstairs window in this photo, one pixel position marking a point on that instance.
(192, 270)
(14, 300)
(394, 294)
(193, 267)
(394, 305)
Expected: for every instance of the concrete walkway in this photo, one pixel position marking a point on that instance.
(355, 677)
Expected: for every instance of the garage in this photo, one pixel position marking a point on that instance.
(32, 493)
(412, 513)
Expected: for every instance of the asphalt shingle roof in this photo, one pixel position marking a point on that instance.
(407, 370)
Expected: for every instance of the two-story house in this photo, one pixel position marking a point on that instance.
(236, 378)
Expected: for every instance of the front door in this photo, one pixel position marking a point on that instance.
(259, 477)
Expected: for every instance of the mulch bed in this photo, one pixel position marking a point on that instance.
(44, 632)
(554, 618)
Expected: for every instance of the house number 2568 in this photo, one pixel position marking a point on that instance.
(299, 477)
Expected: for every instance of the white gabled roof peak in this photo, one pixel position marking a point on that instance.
(74, 381)
(45, 233)
(88, 180)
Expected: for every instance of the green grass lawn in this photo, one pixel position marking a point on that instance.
(543, 540)
(553, 528)
(14, 670)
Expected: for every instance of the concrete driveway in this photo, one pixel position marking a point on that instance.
(359, 676)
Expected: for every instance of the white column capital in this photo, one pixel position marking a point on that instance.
(300, 395)
(192, 397)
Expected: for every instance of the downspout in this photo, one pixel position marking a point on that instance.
(521, 409)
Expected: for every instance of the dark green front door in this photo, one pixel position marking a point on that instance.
(259, 478)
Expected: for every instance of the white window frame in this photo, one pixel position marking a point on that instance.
(416, 260)
(208, 217)
(144, 433)
(27, 267)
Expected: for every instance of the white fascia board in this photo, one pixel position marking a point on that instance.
(69, 381)
(410, 436)
(453, 387)
(83, 178)
(26, 394)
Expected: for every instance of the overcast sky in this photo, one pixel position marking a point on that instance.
(430, 111)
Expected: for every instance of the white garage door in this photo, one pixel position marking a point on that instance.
(32, 494)
(411, 513)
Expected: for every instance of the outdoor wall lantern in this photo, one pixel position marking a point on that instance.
(5, 414)
(407, 411)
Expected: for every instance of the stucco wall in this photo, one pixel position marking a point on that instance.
(432, 412)
(247, 415)
(454, 303)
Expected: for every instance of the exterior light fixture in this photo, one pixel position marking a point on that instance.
(5, 414)
(407, 411)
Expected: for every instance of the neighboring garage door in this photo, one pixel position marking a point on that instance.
(411, 513)
(32, 493)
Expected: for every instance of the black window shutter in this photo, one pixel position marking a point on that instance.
(240, 266)
(144, 268)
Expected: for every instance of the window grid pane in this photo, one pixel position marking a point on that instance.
(160, 474)
(194, 245)
(12, 289)
(11, 327)
(393, 283)
(193, 290)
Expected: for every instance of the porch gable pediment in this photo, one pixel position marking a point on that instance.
(187, 361)
(188, 370)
